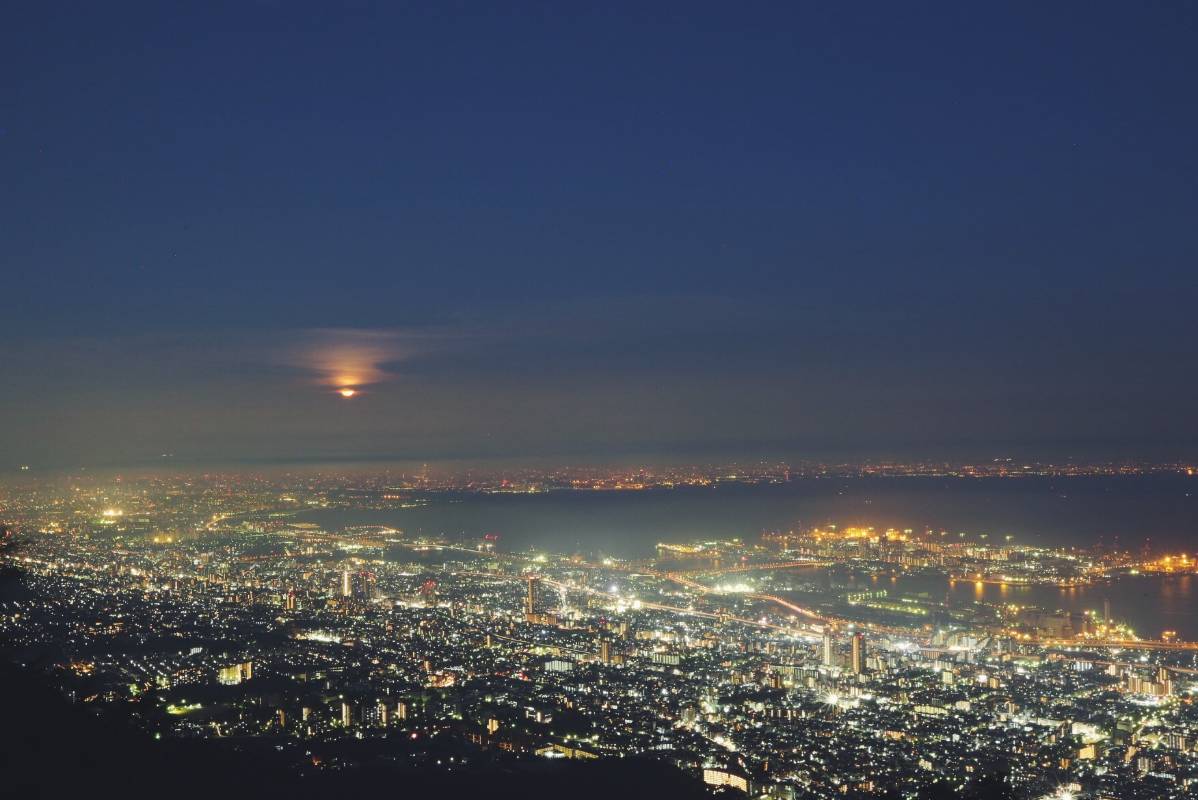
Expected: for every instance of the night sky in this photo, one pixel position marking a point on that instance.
(596, 231)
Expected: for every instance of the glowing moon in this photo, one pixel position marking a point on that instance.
(347, 392)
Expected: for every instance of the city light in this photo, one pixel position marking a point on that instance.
(338, 627)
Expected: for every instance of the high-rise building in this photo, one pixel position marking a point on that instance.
(858, 662)
(605, 651)
(530, 600)
(827, 659)
(365, 586)
(358, 585)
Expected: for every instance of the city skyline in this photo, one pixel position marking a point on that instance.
(328, 628)
(779, 401)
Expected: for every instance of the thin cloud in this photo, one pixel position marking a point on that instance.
(357, 357)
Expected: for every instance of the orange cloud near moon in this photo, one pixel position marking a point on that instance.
(348, 359)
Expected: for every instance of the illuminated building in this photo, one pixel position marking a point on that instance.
(858, 660)
(357, 585)
(364, 585)
(531, 598)
(707, 675)
(236, 673)
(725, 777)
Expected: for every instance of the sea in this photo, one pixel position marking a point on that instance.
(1156, 513)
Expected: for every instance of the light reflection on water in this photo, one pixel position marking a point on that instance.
(1150, 604)
(1076, 512)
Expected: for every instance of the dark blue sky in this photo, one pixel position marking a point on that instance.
(566, 230)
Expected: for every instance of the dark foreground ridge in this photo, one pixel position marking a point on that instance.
(51, 748)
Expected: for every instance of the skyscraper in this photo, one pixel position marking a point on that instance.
(858, 663)
(530, 600)
(366, 585)
(827, 659)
